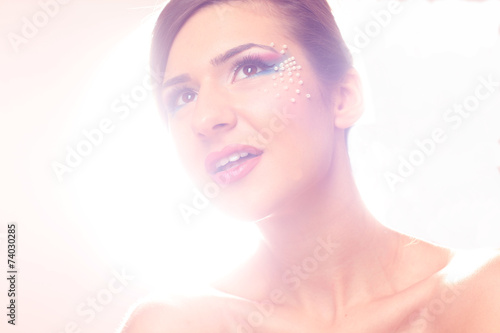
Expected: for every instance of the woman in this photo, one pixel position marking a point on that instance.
(259, 97)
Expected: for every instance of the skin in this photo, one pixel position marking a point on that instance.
(303, 196)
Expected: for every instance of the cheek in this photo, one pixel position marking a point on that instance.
(288, 82)
(288, 79)
(279, 99)
(187, 149)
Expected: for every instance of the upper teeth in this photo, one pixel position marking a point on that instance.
(231, 158)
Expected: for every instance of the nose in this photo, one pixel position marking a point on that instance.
(213, 114)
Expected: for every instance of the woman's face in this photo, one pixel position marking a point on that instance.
(253, 137)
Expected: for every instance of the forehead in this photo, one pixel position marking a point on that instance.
(217, 28)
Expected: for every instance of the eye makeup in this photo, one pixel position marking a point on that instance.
(287, 73)
(252, 65)
(248, 66)
(285, 70)
(178, 96)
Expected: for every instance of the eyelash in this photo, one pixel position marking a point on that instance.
(178, 91)
(250, 60)
(175, 95)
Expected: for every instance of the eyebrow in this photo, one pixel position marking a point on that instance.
(218, 61)
(223, 58)
(176, 80)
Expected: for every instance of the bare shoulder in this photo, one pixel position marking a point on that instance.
(161, 317)
(475, 278)
(182, 314)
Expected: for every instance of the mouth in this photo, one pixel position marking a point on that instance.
(232, 163)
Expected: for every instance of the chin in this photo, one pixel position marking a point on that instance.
(246, 208)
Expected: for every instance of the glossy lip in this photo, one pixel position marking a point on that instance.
(237, 172)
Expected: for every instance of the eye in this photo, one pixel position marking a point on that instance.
(187, 97)
(246, 71)
(181, 99)
(250, 68)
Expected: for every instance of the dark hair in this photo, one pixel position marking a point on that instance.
(310, 22)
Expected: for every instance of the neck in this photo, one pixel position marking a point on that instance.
(327, 240)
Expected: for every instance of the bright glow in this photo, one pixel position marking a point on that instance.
(465, 263)
(449, 27)
(130, 188)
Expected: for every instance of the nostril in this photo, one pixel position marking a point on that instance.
(219, 126)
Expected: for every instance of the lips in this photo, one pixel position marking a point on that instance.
(232, 163)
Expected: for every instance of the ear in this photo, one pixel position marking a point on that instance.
(349, 106)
